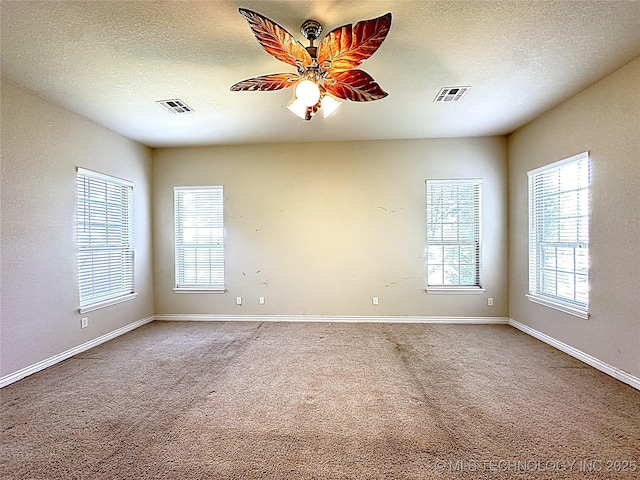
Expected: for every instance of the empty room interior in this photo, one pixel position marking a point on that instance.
(429, 268)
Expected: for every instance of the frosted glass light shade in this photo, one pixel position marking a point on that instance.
(329, 105)
(308, 93)
(299, 108)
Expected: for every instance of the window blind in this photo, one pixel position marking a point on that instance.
(559, 204)
(453, 233)
(104, 236)
(199, 238)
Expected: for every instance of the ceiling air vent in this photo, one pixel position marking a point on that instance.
(451, 94)
(175, 106)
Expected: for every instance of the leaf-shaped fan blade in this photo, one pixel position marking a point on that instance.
(354, 85)
(276, 81)
(276, 40)
(347, 47)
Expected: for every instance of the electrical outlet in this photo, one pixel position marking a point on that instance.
(84, 323)
(261, 300)
(238, 300)
(490, 301)
(375, 300)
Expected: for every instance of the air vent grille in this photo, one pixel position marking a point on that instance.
(175, 106)
(451, 94)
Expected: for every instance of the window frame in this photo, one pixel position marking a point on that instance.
(468, 289)
(536, 242)
(104, 221)
(180, 285)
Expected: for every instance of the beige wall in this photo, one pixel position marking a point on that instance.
(320, 229)
(41, 146)
(604, 119)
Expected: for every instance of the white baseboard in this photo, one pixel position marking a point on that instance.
(36, 367)
(584, 357)
(330, 318)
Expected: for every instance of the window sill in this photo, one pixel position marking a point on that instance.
(455, 290)
(107, 303)
(199, 290)
(563, 307)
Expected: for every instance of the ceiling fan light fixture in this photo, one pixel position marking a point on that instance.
(298, 108)
(329, 68)
(306, 112)
(308, 93)
(329, 105)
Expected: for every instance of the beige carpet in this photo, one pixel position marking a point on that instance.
(320, 401)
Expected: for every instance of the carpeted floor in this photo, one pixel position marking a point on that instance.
(178, 400)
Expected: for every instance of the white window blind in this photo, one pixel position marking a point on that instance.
(199, 238)
(453, 233)
(559, 234)
(105, 238)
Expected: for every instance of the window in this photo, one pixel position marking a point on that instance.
(559, 235)
(199, 225)
(453, 236)
(105, 239)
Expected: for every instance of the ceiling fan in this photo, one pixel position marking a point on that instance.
(325, 72)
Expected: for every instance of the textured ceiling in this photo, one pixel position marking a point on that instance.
(110, 61)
